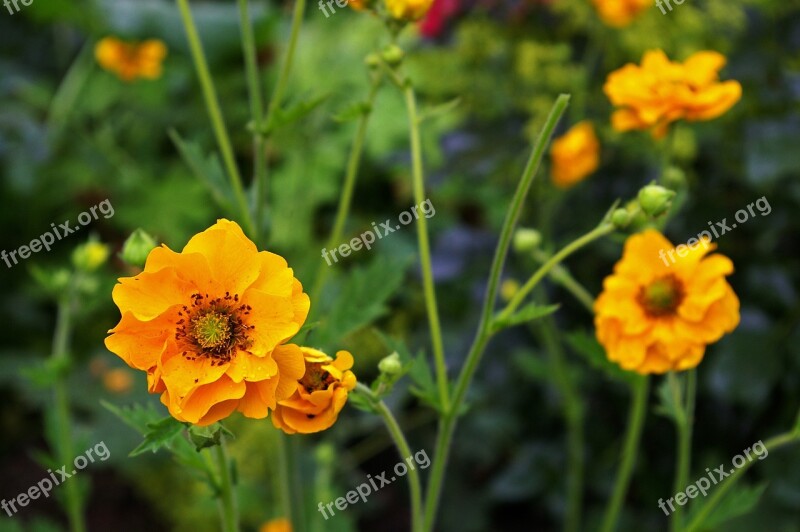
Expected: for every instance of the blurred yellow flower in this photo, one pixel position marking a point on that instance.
(131, 60)
(575, 155)
(508, 289)
(319, 396)
(408, 9)
(619, 13)
(659, 92)
(208, 326)
(277, 525)
(655, 317)
(118, 380)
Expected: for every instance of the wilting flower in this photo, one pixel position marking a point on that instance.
(619, 13)
(319, 396)
(575, 155)
(208, 326)
(656, 316)
(408, 9)
(131, 60)
(277, 525)
(659, 92)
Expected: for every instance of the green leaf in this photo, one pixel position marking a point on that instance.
(207, 169)
(424, 386)
(739, 501)
(160, 434)
(440, 110)
(284, 117)
(360, 301)
(528, 313)
(137, 417)
(666, 402)
(209, 436)
(46, 373)
(361, 402)
(354, 111)
(589, 348)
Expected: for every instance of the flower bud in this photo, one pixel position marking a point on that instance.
(621, 218)
(137, 247)
(372, 61)
(90, 256)
(393, 55)
(390, 365)
(508, 289)
(526, 240)
(674, 177)
(655, 199)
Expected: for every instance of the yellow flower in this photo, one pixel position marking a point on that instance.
(277, 525)
(408, 9)
(655, 316)
(208, 326)
(508, 289)
(659, 92)
(575, 155)
(319, 396)
(131, 60)
(619, 13)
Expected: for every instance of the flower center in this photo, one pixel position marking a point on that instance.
(316, 378)
(662, 296)
(213, 328)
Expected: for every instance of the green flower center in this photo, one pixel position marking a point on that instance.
(662, 296)
(212, 330)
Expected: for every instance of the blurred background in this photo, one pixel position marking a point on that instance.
(73, 135)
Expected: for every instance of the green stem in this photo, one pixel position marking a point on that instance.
(600, 231)
(214, 112)
(343, 211)
(256, 104)
(684, 437)
(772, 444)
(284, 477)
(629, 451)
(424, 248)
(561, 275)
(227, 499)
(64, 446)
(484, 332)
(414, 484)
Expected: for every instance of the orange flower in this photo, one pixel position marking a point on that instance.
(358, 5)
(118, 380)
(319, 396)
(654, 316)
(619, 13)
(208, 326)
(659, 92)
(131, 60)
(575, 155)
(277, 525)
(408, 9)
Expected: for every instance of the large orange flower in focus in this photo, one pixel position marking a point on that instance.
(208, 325)
(655, 316)
(319, 396)
(620, 13)
(659, 92)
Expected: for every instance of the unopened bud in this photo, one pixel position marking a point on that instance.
(655, 199)
(390, 365)
(90, 256)
(526, 240)
(137, 247)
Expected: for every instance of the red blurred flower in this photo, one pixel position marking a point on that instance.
(434, 22)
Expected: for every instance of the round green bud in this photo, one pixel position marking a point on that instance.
(90, 256)
(526, 240)
(655, 199)
(393, 55)
(621, 218)
(390, 365)
(137, 247)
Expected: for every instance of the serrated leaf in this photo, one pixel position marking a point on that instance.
(360, 301)
(741, 500)
(284, 117)
(526, 314)
(137, 417)
(666, 402)
(361, 402)
(424, 386)
(594, 354)
(208, 436)
(160, 434)
(207, 169)
(354, 111)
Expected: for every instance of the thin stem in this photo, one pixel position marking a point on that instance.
(772, 444)
(256, 104)
(284, 477)
(684, 436)
(629, 451)
(448, 421)
(227, 499)
(600, 231)
(345, 200)
(424, 249)
(214, 112)
(64, 446)
(561, 275)
(414, 484)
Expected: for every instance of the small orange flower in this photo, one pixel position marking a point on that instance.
(408, 9)
(319, 396)
(620, 13)
(654, 316)
(575, 155)
(277, 525)
(131, 60)
(659, 92)
(357, 5)
(118, 380)
(208, 326)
